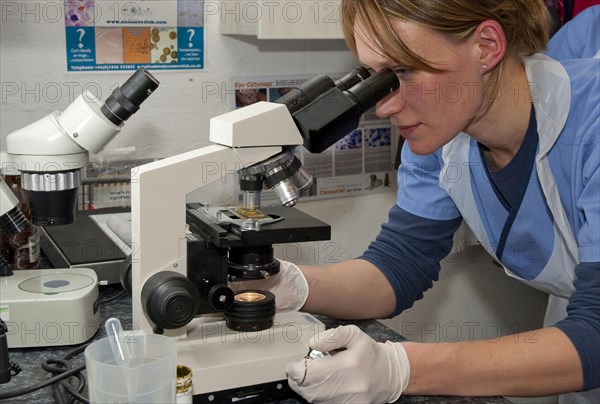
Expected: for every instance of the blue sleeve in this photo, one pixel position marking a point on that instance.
(582, 324)
(579, 38)
(408, 251)
(419, 190)
(588, 198)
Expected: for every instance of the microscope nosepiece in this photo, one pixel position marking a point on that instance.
(283, 173)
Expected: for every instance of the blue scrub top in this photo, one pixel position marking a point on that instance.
(575, 163)
(579, 38)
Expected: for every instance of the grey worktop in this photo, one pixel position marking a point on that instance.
(114, 303)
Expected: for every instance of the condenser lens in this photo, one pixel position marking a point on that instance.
(249, 297)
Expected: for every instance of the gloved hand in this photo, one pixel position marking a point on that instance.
(366, 372)
(289, 286)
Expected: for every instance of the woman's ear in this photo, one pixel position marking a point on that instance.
(492, 44)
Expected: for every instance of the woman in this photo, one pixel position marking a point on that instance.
(497, 135)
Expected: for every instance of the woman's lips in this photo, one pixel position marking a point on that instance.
(408, 130)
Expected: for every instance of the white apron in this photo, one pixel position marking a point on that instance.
(558, 275)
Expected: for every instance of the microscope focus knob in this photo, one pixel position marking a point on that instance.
(170, 299)
(220, 297)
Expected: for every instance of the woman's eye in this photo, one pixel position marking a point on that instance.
(401, 72)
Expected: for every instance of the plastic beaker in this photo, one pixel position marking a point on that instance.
(150, 379)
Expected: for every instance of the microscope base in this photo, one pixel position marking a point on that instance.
(50, 307)
(259, 394)
(233, 364)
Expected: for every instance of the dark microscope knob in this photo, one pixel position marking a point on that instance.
(5, 366)
(170, 299)
(126, 276)
(220, 297)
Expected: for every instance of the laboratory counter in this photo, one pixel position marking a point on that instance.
(115, 303)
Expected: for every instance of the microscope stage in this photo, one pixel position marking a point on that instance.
(293, 226)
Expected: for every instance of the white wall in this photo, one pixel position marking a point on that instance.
(175, 119)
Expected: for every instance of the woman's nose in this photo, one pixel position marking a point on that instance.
(391, 104)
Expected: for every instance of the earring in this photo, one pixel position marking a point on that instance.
(484, 66)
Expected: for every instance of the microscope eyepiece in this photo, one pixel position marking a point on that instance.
(368, 92)
(337, 111)
(352, 78)
(314, 88)
(306, 93)
(126, 99)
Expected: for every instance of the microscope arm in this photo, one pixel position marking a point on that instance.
(158, 197)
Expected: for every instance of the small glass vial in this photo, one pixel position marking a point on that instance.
(184, 385)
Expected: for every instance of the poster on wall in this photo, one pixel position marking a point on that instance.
(125, 35)
(363, 162)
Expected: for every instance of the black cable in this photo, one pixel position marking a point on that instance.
(63, 365)
(75, 394)
(115, 297)
(65, 384)
(15, 369)
(41, 385)
(63, 371)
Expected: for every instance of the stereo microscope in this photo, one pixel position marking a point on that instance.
(184, 255)
(45, 307)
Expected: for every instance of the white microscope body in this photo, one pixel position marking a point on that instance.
(220, 358)
(316, 114)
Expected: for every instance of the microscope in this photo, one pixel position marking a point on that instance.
(185, 254)
(53, 307)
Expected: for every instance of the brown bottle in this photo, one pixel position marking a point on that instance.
(25, 245)
(6, 249)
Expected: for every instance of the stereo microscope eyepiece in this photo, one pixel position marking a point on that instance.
(126, 99)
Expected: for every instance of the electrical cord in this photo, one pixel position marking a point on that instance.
(59, 366)
(63, 371)
(15, 369)
(115, 297)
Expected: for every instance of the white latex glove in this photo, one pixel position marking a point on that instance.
(289, 286)
(366, 372)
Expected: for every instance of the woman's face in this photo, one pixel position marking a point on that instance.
(429, 109)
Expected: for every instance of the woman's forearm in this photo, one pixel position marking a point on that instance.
(351, 290)
(539, 363)
(530, 364)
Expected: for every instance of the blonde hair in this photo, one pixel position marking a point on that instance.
(526, 24)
